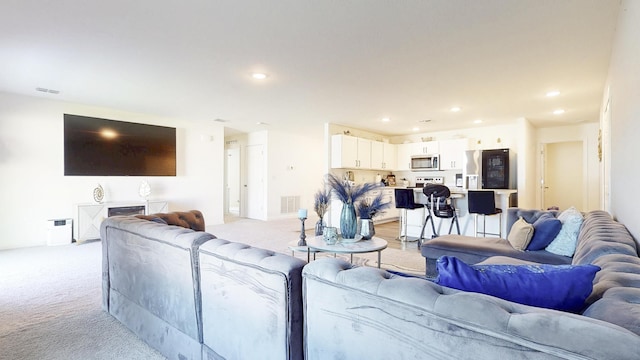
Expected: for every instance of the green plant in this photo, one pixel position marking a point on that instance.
(347, 192)
(367, 209)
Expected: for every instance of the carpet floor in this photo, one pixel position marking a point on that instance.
(50, 297)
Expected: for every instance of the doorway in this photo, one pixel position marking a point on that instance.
(563, 175)
(233, 182)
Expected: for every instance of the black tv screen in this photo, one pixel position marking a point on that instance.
(101, 147)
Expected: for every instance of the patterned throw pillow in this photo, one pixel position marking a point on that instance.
(559, 287)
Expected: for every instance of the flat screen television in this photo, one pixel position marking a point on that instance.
(101, 147)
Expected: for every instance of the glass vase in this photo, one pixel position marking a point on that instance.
(366, 229)
(319, 227)
(348, 221)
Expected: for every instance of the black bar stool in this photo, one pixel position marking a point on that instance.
(483, 203)
(405, 201)
(438, 205)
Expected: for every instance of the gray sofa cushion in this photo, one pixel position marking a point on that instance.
(472, 250)
(251, 302)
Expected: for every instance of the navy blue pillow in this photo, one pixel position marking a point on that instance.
(559, 287)
(545, 229)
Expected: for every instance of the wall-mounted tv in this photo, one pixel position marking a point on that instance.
(101, 147)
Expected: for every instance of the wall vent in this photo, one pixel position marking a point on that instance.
(289, 204)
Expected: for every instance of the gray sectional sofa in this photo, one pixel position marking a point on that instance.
(363, 313)
(193, 296)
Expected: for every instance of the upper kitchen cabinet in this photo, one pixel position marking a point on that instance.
(350, 152)
(452, 153)
(406, 151)
(383, 156)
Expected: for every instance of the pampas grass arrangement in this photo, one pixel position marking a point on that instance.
(367, 209)
(349, 193)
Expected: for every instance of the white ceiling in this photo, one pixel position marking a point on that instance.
(350, 62)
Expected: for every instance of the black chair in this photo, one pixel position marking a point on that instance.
(405, 201)
(483, 203)
(438, 205)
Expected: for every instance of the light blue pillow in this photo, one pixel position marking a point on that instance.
(559, 287)
(566, 240)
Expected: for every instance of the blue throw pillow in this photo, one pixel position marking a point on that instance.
(545, 229)
(559, 287)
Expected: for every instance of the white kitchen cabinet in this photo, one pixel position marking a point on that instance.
(377, 155)
(426, 148)
(452, 153)
(383, 156)
(388, 195)
(350, 152)
(389, 156)
(403, 157)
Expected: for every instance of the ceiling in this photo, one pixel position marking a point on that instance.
(350, 62)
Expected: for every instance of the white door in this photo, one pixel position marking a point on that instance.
(256, 182)
(233, 181)
(563, 175)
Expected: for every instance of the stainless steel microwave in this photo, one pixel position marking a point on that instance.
(425, 162)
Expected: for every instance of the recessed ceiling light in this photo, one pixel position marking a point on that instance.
(386, 119)
(477, 121)
(259, 76)
(416, 129)
(559, 111)
(456, 109)
(553, 93)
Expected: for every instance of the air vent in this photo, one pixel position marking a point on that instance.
(289, 204)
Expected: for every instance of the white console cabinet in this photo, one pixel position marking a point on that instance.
(89, 216)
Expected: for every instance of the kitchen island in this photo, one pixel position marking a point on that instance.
(466, 220)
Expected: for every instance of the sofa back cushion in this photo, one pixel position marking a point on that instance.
(251, 302)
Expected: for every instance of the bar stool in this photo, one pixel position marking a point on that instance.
(438, 205)
(483, 203)
(405, 201)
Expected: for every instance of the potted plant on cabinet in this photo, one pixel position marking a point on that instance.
(320, 206)
(367, 209)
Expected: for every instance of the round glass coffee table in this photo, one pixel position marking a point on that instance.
(359, 247)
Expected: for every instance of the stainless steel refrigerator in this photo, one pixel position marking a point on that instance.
(486, 169)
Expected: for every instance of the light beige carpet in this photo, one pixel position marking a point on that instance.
(275, 235)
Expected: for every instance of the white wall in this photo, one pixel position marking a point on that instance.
(295, 168)
(34, 188)
(624, 86)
